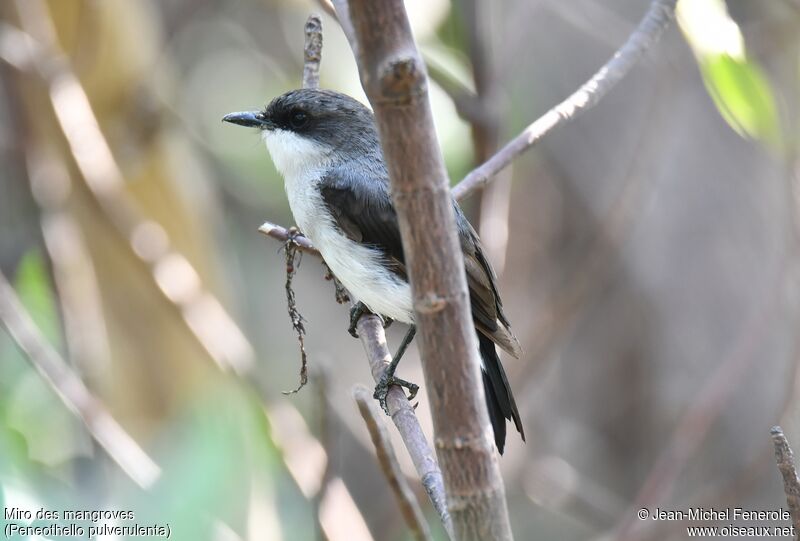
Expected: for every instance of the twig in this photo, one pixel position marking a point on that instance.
(119, 445)
(791, 484)
(373, 338)
(312, 57)
(409, 506)
(282, 234)
(312, 51)
(658, 16)
(292, 262)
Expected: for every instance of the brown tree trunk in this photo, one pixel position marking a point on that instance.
(394, 78)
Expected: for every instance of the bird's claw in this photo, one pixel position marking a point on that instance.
(358, 310)
(382, 390)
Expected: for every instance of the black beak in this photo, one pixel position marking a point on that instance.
(250, 119)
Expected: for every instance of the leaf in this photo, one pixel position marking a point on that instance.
(740, 90)
(742, 95)
(33, 286)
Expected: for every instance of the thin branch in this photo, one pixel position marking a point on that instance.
(791, 484)
(312, 57)
(657, 18)
(409, 506)
(283, 234)
(312, 51)
(119, 445)
(373, 338)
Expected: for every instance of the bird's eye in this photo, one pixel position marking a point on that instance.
(298, 119)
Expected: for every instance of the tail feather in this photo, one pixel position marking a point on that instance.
(499, 399)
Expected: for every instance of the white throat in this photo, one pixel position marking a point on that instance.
(302, 162)
(295, 156)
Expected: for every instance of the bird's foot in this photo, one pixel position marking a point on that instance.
(382, 389)
(358, 310)
(292, 234)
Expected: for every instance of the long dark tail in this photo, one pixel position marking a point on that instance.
(499, 399)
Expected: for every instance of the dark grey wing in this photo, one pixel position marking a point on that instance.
(493, 328)
(362, 209)
(487, 308)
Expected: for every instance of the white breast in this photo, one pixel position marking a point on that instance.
(360, 269)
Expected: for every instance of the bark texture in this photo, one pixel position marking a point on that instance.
(394, 78)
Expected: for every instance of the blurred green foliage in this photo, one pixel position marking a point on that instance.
(736, 83)
(743, 96)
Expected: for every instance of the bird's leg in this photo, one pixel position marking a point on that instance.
(388, 378)
(358, 310)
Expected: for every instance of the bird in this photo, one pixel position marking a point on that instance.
(326, 146)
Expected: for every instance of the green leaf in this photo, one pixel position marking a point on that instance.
(740, 90)
(33, 286)
(742, 95)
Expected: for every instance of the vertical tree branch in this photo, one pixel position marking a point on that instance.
(409, 507)
(393, 76)
(791, 484)
(370, 328)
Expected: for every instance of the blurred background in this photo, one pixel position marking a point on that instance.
(647, 255)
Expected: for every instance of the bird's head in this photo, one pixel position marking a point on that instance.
(310, 128)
